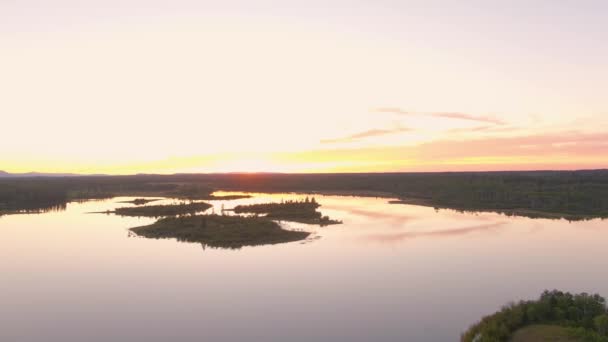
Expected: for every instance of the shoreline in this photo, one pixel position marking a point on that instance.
(519, 212)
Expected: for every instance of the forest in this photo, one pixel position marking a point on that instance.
(555, 194)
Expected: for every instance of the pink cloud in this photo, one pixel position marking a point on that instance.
(366, 134)
(449, 115)
(567, 143)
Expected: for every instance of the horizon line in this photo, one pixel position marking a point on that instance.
(35, 174)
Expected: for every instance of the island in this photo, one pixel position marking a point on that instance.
(221, 231)
(185, 222)
(304, 211)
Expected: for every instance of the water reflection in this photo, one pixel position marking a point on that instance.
(388, 273)
(392, 238)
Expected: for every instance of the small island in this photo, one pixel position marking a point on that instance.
(304, 211)
(221, 231)
(141, 201)
(163, 210)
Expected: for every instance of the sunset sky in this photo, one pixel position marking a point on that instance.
(130, 86)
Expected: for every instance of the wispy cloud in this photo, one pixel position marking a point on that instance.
(366, 134)
(485, 128)
(449, 115)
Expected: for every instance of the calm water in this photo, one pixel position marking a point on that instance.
(389, 273)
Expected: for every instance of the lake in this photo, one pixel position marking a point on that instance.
(390, 272)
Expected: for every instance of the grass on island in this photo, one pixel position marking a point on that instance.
(221, 231)
(541, 332)
(163, 210)
(304, 211)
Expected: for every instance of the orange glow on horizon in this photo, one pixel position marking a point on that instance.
(431, 157)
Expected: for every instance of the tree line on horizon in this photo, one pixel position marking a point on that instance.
(575, 194)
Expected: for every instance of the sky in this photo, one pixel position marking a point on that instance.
(150, 86)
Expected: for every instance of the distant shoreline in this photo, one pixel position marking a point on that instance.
(520, 212)
(573, 195)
